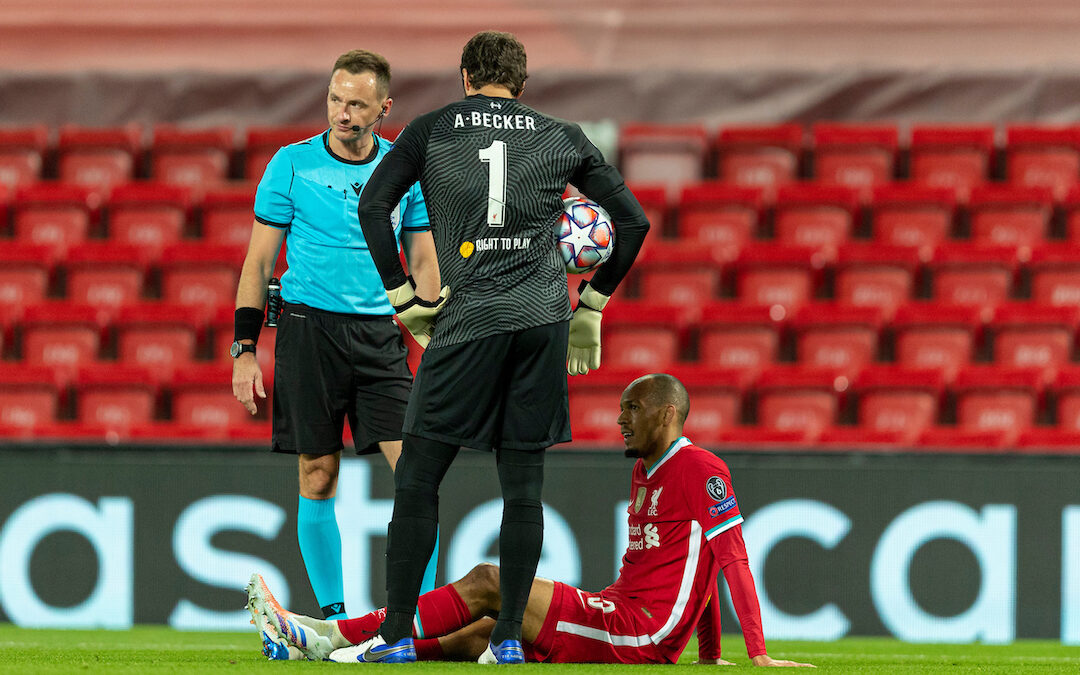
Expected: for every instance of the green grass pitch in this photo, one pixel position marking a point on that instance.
(158, 649)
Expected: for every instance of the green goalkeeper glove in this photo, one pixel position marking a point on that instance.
(583, 349)
(417, 315)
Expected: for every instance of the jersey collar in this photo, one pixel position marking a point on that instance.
(679, 443)
(355, 162)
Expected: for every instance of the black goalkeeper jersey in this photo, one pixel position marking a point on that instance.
(493, 172)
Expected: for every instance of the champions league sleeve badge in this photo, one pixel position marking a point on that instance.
(716, 489)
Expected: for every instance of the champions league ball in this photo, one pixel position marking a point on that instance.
(586, 235)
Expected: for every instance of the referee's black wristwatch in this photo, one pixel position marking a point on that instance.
(236, 349)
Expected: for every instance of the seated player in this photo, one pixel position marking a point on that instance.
(684, 525)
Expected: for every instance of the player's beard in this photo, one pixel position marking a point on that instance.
(633, 453)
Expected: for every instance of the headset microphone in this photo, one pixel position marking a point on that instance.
(357, 127)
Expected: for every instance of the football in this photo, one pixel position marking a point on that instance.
(586, 235)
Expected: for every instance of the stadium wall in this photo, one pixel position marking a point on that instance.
(941, 548)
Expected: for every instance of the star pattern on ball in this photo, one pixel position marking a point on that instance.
(579, 237)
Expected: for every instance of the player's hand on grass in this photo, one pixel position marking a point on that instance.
(583, 349)
(247, 381)
(415, 313)
(713, 662)
(768, 661)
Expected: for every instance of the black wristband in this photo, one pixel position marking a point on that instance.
(247, 323)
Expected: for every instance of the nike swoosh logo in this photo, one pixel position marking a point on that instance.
(384, 652)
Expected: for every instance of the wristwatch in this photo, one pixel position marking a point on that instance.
(236, 349)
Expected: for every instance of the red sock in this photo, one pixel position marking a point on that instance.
(428, 649)
(362, 627)
(440, 612)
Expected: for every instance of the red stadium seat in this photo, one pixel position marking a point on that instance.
(764, 438)
(760, 156)
(912, 215)
(973, 274)
(25, 270)
(1070, 207)
(1055, 275)
(149, 215)
(720, 215)
(962, 440)
(858, 156)
(643, 335)
(228, 214)
(193, 157)
(717, 397)
(794, 398)
(28, 396)
(1049, 441)
(22, 152)
(260, 144)
(203, 277)
(1010, 216)
(678, 273)
(936, 336)
(994, 398)
(202, 396)
(659, 153)
(860, 438)
(594, 405)
(875, 275)
(114, 396)
(1043, 157)
(654, 201)
(98, 158)
(106, 276)
(819, 217)
(1066, 388)
(60, 335)
(56, 215)
(899, 400)
(739, 337)
(1027, 335)
(837, 337)
(769, 274)
(956, 158)
(158, 337)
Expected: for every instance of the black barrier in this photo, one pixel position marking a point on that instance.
(924, 547)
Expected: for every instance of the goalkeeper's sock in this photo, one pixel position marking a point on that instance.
(521, 475)
(320, 546)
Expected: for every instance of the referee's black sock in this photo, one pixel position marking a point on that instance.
(521, 475)
(411, 535)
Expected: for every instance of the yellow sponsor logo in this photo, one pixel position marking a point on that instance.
(466, 249)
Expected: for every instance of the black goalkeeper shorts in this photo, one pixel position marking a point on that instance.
(329, 367)
(502, 391)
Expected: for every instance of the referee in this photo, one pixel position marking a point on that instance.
(494, 376)
(339, 354)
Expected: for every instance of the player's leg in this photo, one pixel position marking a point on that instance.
(311, 395)
(391, 450)
(411, 535)
(521, 477)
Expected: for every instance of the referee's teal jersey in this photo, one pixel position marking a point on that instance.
(313, 193)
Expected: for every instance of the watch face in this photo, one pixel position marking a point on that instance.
(234, 349)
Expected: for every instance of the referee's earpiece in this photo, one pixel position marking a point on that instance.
(383, 113)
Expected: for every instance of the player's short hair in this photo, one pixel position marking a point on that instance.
(360, 61)
(492, 57)
(667, 390)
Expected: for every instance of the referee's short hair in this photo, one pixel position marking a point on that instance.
(492, 57)
(362, 61)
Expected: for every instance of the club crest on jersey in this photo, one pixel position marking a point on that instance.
(639, 501)
(654, 500)
(716, 488)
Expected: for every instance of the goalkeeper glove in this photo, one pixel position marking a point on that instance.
(583, 349)
(417, 315)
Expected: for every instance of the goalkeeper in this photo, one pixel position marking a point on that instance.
(493, 172)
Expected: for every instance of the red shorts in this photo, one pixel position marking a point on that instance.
(585, 627)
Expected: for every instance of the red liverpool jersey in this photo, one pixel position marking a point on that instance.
(669, 570)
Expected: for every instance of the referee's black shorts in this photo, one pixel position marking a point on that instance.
(329, 367)
(502, 391)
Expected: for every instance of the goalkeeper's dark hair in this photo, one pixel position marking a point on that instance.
(360, 61)
(667, 390)
(492, 57)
